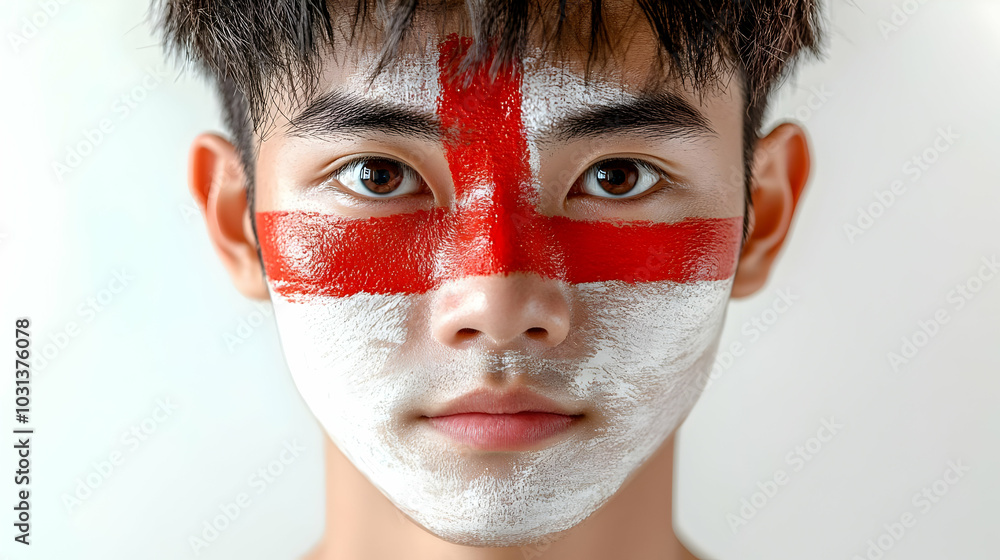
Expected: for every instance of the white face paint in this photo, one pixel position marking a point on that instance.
(643, 355)
(636, 357)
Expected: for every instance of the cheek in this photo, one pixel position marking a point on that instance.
(651, 348)
(344, 355)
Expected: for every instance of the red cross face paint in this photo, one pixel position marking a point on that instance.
(362, 302)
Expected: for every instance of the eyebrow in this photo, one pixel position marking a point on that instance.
(339, 114)
(664, 115)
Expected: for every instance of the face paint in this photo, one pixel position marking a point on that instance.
(351, 295)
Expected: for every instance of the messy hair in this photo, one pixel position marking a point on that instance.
(252, 51)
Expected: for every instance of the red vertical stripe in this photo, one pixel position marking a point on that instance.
(487, 150)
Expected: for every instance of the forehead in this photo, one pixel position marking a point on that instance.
(415, 80)
(553, 82)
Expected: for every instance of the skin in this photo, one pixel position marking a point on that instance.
(361, 522)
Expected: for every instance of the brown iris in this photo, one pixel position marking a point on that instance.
(381, 176)
(617, 176)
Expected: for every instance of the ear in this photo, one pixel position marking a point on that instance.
(219, 187)
(780, 172)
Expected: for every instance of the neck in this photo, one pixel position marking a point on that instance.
(637, 522)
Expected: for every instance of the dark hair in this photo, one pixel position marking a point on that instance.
(250, 49)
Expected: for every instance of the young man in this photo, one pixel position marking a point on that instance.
(499, 238)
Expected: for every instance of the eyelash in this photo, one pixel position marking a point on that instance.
(668, 182)
(327, 183)
(575, 190)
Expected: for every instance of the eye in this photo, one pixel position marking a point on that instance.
(618, 178)
(376, 177)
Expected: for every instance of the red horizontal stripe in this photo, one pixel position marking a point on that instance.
(323, 254)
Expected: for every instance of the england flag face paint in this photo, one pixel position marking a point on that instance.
(627, 311)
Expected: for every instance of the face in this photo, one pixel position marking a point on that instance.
(499, 296)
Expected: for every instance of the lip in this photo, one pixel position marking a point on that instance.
(511, 421)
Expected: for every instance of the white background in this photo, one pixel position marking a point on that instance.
(175, 331)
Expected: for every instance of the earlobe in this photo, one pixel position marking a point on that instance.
(218, 185)
(780, 173)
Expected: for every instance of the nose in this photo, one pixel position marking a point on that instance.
(501, 310)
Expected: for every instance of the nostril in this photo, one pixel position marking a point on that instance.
(465, 334)
(536, 332)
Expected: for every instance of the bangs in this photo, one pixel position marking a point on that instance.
(268, 48)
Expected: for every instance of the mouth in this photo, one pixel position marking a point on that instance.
(517, 420)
